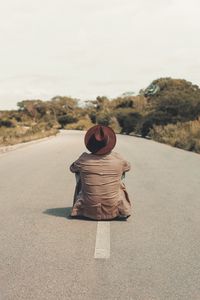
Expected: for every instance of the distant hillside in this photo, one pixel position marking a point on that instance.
(168, 111)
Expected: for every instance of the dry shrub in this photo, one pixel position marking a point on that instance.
(82, 124)
(114, 124)
(86, 123)
(20, 134)
(182, 135)
(140, 103)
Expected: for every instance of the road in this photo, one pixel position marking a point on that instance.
(155, 255)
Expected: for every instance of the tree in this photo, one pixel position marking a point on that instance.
(66, 119)
(128, 120)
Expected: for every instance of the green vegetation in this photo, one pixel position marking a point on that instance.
(168, 111)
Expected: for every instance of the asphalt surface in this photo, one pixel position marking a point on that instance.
(45, 255)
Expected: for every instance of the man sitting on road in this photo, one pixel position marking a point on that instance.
(100, 194)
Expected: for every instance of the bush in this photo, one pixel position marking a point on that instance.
(125, 103)
(11, 136)
(128, 120)
(156, 118)
(114, 124)
(82, 124)
(182, 135)
(180, 106)
(6, 123)
(66, 119)
(103, 119)
(93, 116)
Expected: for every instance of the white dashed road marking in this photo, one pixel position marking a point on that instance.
(102, 247)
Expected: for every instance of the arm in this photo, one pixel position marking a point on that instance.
(75, 166)
(126, 166)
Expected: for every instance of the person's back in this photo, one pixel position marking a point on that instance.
(102, 194)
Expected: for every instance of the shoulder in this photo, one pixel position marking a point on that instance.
(84, 155)
(124, 162)
(116, 155)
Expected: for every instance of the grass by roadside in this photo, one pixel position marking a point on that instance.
(12, 136)
(181, 135)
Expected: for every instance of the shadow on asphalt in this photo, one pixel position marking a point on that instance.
(64, 212)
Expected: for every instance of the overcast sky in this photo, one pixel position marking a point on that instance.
(86, 48)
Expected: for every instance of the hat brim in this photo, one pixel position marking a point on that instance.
(105, 149)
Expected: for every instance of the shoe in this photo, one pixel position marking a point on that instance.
(122, 217)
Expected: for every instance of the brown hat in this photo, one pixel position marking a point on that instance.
(100, 139)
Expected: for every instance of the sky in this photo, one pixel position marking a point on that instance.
(90, 48)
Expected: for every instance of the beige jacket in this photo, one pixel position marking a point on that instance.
(101, 194)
